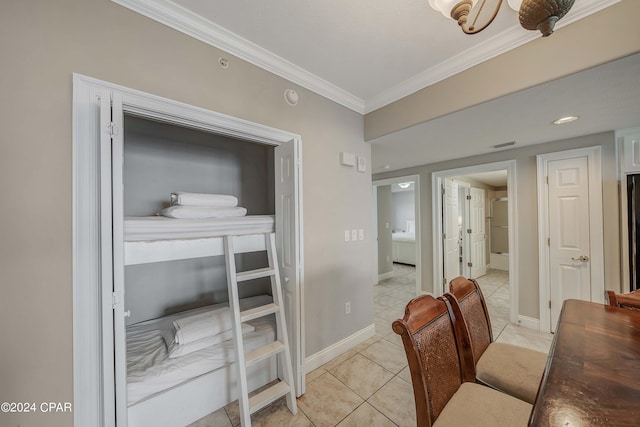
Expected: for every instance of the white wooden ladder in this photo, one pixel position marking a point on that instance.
(279, 348)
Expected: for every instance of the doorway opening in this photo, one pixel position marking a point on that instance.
(396, 213)
(474, 212)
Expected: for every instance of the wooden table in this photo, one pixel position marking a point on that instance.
(592, 377)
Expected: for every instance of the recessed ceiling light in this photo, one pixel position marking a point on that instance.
(564, 120)
(405, 184)
(387, 166)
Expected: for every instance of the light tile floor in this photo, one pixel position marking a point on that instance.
(370, 385)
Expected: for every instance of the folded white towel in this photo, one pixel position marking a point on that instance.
(202, 212)
(178, 350)
(203, 199)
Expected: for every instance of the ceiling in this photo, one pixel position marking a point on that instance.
(606, 97)
(493, 178)
(365, 54)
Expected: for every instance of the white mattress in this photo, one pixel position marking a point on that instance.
(146, 228)
(403, 236)
(149, 369)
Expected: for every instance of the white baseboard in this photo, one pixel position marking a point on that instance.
(323, 356)
(529, 322)
(384, 276)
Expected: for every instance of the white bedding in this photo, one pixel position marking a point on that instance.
(149, 368)
(147, 228)
(403, 236)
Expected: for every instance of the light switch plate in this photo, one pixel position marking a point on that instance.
(361, 234)
(362, 164)
(354, 234)
(347, 235)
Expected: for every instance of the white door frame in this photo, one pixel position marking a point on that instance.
(92, 371)
(627, 149)
(416, 199)
(436, 199)
(593, 155)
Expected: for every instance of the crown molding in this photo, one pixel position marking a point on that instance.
(496, 45)
(181, 19)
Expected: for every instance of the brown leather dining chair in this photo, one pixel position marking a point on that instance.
(511, 369)
(445, 394)
(630, 300)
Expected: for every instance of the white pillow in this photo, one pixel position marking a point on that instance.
(178, 350)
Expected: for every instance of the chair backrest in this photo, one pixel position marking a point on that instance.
(475, 314)
(630, 300)
(431, 340)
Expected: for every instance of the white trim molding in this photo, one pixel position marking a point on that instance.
(628, 155)
(503, 42)
(182, 19)
(326, 355)
(93, 367)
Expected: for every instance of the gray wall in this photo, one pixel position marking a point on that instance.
(161, 159)
(385, 251)
(44, 42)
(525, 157)
(403, 208)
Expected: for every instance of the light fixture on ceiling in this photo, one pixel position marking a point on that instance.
(540, 15)
(567, 119)
(404, 185)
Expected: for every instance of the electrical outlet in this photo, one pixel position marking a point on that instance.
(354, 234)
(361, 234)
(347, 307)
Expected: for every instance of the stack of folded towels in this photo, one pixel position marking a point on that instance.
(201, 205)
(199, 331)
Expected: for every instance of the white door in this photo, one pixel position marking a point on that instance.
(569, 235)
(450, 232)
(287, 238)
(477, 234)
(111, 218)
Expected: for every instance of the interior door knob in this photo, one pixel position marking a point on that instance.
(581, 258)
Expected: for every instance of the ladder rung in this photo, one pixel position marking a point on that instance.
(255, 274)
(257, 312)
(263, 352)
(268, 396)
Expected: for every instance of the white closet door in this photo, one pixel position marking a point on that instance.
(451, 233)
(116, 129)
(287, 238)
(478, 235)
(569, 232)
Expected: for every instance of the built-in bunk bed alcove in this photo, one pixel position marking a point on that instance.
(160, 159)
(132, 279)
